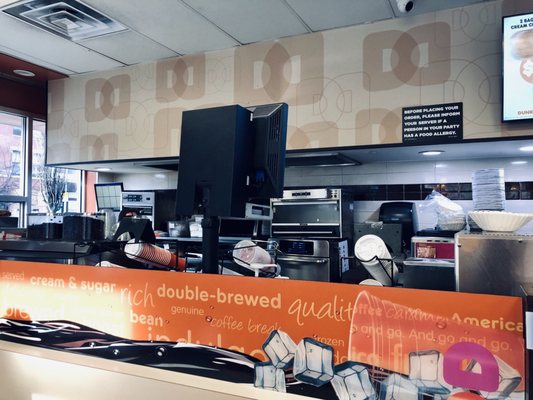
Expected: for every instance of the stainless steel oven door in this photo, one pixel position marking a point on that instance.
(316, 218)
(305, 268)
(306, 212)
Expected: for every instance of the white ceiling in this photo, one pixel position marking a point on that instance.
(159, 29)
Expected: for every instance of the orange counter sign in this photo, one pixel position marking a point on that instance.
(416, 341)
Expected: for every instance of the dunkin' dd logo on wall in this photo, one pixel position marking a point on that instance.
(107, 98)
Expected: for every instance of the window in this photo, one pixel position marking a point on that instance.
(23, 174)
(15, 162)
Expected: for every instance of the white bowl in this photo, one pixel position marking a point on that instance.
(500, 221)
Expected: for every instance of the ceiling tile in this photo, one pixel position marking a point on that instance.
(169, 22)
(43, 48)
(426, 6)
(321, 15)
(251, 21)
(129, 47)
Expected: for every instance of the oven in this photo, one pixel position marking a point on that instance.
(313, 259)
(313, 213)
(143, 201)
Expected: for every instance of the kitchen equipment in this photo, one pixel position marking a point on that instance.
(82, 228)
(493, 263)
(144, 201)
(9, 222)
(313, 259)
(313, 213)
(433, 247)
(45, 231)
(427, 273)
(404, 213)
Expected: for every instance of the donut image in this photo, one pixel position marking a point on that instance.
(522, 44)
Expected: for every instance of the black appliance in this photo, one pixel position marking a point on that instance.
(315, 230)
(429, 273)
(313, 213)
(404, 213)
(82, 228)
(313, 259)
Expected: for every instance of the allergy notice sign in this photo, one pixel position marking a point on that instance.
(428, 124)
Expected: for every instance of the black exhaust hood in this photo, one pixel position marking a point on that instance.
(309, 159)
(318, 159)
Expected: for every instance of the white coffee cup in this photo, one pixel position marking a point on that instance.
(246, 253)
(372, 252)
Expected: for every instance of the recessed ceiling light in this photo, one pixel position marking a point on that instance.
(103, 169)
(520, 162)
(23, 72)
(431, 152)
(526, 148)
(160, 176)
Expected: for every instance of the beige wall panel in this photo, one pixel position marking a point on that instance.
(345, 87)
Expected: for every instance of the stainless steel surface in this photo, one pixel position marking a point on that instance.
(313, 260)
(142, 200)
(301, 194)
(493, 263)
(257, 212)
(305, 268)
(313, 213)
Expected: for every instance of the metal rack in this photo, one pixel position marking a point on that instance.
(382, 263)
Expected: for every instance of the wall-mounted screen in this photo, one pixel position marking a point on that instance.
(109, 196)
(517, 101)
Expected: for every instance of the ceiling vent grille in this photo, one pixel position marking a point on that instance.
(68, 18)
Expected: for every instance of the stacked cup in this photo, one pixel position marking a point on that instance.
(249, 255)
(152, 255)
(246, 253)
(372, 252)
(488, 189)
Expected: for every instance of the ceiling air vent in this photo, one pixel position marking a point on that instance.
(69, 18)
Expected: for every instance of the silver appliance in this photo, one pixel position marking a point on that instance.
(144, 201)
(493, 263)
(316, 213)
(313, 259)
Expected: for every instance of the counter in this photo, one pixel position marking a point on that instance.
(384, 331)
(33, 373)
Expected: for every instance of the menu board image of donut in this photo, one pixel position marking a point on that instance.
(517, 102)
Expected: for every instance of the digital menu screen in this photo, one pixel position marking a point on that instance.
(517, 102)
